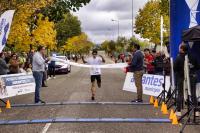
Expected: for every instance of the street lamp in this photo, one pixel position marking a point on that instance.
(132, 18)
(118, 25)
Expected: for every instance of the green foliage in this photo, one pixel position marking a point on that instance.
(143, 44)
(122, 45)
(68, 27)
(148, 21)
(56, 10)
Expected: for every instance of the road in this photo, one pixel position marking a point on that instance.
(76, 87)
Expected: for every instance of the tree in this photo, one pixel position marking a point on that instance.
(109, 46)
(20, 35)
(45, 34)
(121, 44)
(68, 27)
(78, 44)
(147, 22)
(25, 19)
(134, 40)
(164, 6)
(67, 4)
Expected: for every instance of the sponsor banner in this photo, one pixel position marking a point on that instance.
(152, 84)
(16, 84)
(5, 24)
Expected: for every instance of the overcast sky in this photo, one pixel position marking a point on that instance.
(97, 15)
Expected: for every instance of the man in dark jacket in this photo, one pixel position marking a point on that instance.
(179, 74)
(137, 68)
(3, 65)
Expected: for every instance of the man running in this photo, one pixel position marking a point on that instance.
(95, 72)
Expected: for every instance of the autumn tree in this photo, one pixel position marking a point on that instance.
(45, 33)
(25, 19)
(147, 22)
(67, 4)
(20, 35)
(78, 44)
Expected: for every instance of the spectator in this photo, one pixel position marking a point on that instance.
(23, 58)
(137, 68)
(38, 69)
(30, 56)
(153, 53)
(8, 57)
(51, 68)
(3, 65)
(21, 68)
(28, 68)
(158, 64)
(148, 61)
(128, 61)
(14, 64)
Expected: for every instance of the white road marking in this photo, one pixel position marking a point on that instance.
(46, 127)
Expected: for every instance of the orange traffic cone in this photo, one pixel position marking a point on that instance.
(156, 103)
(8, 106)
(151, 100)
(165, 111)
(171, 114)
(175, 120)
(162, 107)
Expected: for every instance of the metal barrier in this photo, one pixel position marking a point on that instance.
(84, 120)
(77, 103)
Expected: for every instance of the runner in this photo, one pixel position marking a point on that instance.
(95, 72)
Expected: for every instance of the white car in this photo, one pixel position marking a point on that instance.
(61, 64)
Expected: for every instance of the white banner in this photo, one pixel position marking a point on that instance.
(152, 84)
(5, 24)
(16, 84)
(116, 65)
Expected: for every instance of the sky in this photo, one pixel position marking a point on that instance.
(96, 18)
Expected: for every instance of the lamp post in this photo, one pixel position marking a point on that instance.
(132, 18)
(118, 25)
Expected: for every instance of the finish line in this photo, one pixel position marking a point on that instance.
(77, 103)
(84, 120)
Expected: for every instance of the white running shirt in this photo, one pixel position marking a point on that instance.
(95, 70)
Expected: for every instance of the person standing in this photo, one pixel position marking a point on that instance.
(95, 72)
(148, 60)
(137, 68)
(38, 67)
(3, 65)
(14, 64)
(52, 67)
(179, 74)
(8, 57)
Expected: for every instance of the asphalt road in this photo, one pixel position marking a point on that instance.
(76, 87)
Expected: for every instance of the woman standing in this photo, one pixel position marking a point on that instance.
(14, 64)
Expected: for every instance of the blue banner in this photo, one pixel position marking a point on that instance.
(183, 15)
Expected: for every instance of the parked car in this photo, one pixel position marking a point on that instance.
(61, 65)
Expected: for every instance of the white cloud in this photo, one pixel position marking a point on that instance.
(97, 15)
